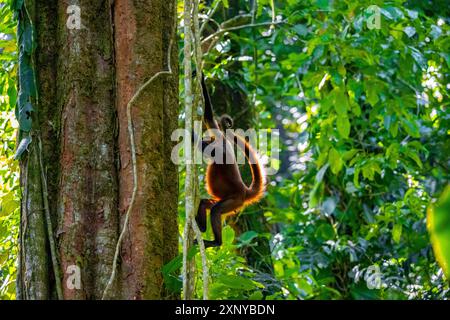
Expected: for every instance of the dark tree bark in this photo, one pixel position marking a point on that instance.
(85, 78)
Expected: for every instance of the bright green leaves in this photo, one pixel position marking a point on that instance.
(438, 224)
(340, 101)
(335, 161)
(412, 154)
(370, 168)
(372, 95)
(397, 153)
(236, 282)
(397, 233)
(369, 133)
(367, 167)
(393, 154)
(8, 204)
(411, 128)
(343, 126)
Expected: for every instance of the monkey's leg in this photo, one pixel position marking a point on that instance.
(204, 205)
(221, 207)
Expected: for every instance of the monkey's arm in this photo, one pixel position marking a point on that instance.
(209, 114)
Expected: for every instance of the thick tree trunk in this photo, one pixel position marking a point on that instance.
(142, 43)
(85, 79)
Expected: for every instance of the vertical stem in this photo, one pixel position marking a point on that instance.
(199, 67)
(48, 220)
(189, 182)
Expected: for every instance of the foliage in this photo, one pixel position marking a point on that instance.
(9, 192)
(364, 121)
(438, 222)
(365, 118)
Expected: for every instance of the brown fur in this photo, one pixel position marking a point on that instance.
(224, 181)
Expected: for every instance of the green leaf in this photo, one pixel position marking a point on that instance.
(392, 154)
(8, 204)
(340, 101)
(323, 4)
(335, 161)
(228, 235)
(372, 94)
(257, 295)
(343, 126)
(348, 155)
(177, 262)
(438, 222)
(397, 232)
(325, 232)
(393, 130)
(414, 156)
(248, 236)
(236, 282)
(392, 13)
(411, 128)
(314, 195)
(369, 170)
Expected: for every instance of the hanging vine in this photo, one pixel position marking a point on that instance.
(192, 51)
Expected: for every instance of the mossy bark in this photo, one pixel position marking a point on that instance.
(80, 115)
(141, 47)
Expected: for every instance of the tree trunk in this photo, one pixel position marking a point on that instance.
(85, 78)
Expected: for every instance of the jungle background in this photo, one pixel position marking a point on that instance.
(362, 110)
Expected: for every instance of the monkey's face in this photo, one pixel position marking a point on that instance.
(225, 122)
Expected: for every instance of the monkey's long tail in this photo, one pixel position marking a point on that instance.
(256, 189)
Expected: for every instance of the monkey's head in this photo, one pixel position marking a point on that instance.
(225, 122)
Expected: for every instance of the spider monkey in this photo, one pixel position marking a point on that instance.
(223, 180)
